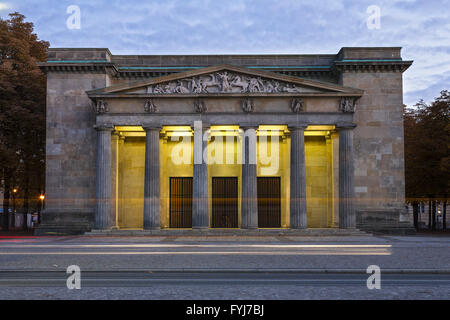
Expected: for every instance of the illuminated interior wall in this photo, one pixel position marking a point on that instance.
(224, 154)
(273, 156)
(319, 181)
(177, 160)
(131, 182)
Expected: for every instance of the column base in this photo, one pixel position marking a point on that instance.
(152, 228)
(200, 228)
(298, 228)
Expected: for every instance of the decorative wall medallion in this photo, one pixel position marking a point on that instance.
(347, 105)
(247, 105)
(100, 106)
(149, 106)
(200, 106)
(297, 105)
(225, 82)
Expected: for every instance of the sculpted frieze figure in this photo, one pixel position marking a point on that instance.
(289, 88)
(347, 105)
(101, 106)
(196, 85)
(149, 106)
(239, 83)
(297, 105)
(180, 88)
(224, 82)
(212, 82)
(255, 85)
(200, 106)
(247, 105)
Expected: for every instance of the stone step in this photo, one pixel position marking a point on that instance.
(230, 232)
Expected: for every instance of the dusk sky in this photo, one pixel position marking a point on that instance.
(422, 28)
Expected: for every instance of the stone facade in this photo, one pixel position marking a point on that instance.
(338, 116)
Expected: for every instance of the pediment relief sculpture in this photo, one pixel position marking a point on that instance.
(225, 82)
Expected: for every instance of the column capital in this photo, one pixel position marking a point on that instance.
(345, 125)
(297, 126)
(149, 127)
(246, 126)
(205, 126)
(104, 127)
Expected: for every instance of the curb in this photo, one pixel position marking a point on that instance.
(246, 270)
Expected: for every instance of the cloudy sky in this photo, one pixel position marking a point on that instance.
(421, 27)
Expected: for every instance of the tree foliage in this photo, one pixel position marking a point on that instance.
(22, 108)
(427, 148)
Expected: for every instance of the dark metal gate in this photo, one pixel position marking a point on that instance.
(224, 202)
(180, 208)
(269, 202)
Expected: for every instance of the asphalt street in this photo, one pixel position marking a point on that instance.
(279, 267)
(151, 279)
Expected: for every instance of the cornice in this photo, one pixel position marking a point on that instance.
(394, 65)
(79, 67)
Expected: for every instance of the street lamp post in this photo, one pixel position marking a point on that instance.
(41, 207)
(14, 206)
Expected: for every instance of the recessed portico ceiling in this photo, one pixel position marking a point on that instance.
(225, 80)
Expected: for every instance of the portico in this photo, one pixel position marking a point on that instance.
(198, 159)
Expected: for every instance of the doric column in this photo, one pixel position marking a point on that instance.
(120, 202)
(298, 178)
(249, 206)
(200, 212)
(103, 178)
(347, 217)
(152, 216)
(114, 178)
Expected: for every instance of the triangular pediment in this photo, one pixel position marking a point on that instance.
(226, 80)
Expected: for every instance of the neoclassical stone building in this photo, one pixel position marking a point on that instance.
(215, 142)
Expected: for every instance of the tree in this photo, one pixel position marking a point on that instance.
(22, 111)
(427, 153)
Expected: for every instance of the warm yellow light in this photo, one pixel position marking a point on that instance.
(176, 128)
(224, 131)
(129, 128)
(272, 130)
(14, 190)
(177, 131)
(133, 134)
(42, 197)
(316, 133)
(320, 128)
(273, 127)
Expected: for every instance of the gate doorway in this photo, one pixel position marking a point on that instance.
(180, 208)
(269, 202)
(224, 202)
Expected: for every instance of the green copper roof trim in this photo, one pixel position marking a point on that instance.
(185, 67)
(369, 60)
(287, 67)
(77, 61)
(250, 67)
(159, 68)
